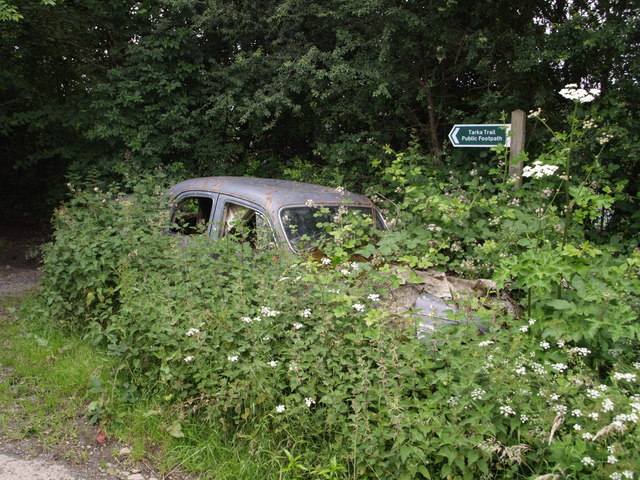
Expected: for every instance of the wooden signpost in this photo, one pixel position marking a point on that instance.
(490, 135)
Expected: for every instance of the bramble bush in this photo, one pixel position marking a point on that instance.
(252, 341)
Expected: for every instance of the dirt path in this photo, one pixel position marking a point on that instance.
(29, 459)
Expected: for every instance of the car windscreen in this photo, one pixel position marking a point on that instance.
(304, 225)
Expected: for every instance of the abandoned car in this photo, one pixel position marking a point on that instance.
(285, 213)
(268, 210)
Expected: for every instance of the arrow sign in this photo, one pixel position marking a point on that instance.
(480, 135)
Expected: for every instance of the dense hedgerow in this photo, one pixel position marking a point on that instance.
(246, 341)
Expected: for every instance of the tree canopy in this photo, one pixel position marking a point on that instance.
(91, 88)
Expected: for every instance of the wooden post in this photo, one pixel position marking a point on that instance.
(518, 123)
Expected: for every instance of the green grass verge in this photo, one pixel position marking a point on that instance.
(45, 378)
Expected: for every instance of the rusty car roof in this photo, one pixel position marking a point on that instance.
(271, 194)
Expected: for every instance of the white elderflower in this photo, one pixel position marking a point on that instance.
(576, 413)
(358, 307)
(612, 459)
(306, 313)
(577, 427)
(627, 474)
(524, 329)
(233, 358)
(280, 408)
(587, 436)
(297, 326)
(524, 418)
(545, 345)
(374, 297)
(588, 462)
(520, 371)
(615, 476)
(560, 409)
(192, 331)
(246, 319)
(594, 415)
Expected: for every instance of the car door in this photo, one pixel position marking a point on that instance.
(244, 221)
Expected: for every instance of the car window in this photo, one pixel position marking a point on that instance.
(192, 215)
(246, 225)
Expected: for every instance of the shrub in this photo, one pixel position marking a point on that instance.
(251, 341)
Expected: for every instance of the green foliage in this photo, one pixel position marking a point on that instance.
(245, 342)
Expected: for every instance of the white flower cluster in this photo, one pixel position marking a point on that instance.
(588, 462)
(535, 113)
(192, 331)
(538, 170)
(309, 401)
(306, 313)
(374, 297)
(559, 367)
(297, 326)
(605, 138)
(280, 408)
(581, 352)
(188, 359)
(593, 393)
(325, 261)
(627, 377)
(545, 345)
(233, 358)
(560, 409)
(268, 312)
(486, 343)
(477, 394)
(538, 368)
(507, 411)
(607, 405)
(273, 363)
(358, 307)
(581, 95)
(626, 418)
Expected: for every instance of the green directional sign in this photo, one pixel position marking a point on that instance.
(480, 135)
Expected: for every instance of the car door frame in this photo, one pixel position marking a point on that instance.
(194, 193)
(218, 216)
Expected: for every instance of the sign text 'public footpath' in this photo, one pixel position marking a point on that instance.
(479, 135)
